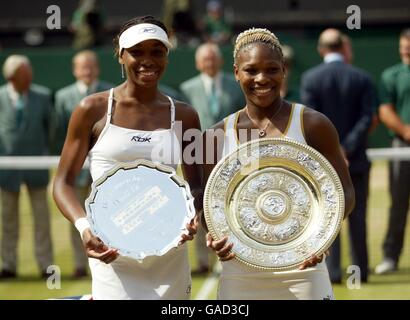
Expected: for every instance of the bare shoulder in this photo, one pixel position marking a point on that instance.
(186, 109)
(315, 121)
(216, 132)
(92, 108)
(219, 125)
(315, 118)
(318, 128)
(187, 114)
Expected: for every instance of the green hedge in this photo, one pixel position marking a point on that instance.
(374, 50)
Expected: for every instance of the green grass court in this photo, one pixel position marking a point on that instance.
(29, 286)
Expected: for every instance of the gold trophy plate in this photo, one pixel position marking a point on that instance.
(279, 202)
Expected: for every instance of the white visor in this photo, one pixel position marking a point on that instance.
(142, 32)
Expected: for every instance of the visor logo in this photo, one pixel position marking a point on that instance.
(148, 30)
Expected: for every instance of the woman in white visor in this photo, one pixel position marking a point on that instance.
(127, 123)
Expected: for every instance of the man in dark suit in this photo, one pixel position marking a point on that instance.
(24, 131)
(346, 95)
(86, 72)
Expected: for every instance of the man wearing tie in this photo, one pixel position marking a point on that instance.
(86, 72)
(214, 94)
(24, 131)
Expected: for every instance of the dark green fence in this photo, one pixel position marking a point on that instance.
(374, 50)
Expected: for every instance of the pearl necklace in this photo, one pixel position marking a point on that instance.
(262, 132)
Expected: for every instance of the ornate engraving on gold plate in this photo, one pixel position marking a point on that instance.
(278, 201)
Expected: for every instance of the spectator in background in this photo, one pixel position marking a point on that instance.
(24, 131)
(348, 58)
(87, 25)
(178, 17)
(86, 72)
(394, 112)
(214, 94)
(286, 92)
(215, 28)
(346, 95)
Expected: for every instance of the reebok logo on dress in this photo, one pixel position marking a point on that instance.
(140, 139)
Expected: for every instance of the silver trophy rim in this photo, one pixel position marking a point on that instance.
(133, 165)
(332, 172)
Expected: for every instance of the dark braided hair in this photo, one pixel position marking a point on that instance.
(133, 22)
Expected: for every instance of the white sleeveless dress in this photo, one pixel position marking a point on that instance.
(165, 277)
(241, 282)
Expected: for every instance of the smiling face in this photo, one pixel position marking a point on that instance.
(145, 62)
(260, 71)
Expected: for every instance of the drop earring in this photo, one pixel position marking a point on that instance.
(122, 71)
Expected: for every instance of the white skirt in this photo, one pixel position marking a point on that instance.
(167, 277)
(240, 282)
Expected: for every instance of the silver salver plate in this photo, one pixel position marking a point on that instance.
(279, 202)
(140, 208)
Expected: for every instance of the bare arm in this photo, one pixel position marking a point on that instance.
(322, 135)
(191, 140)
(74, 153)
(212, 151)
(213, 139)
(191, 151)
(392, 121)
(72, 158)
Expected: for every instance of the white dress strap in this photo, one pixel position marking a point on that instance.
(295, 130)
(110, 102)
(230, 139)
(172, 111)
(229, 122)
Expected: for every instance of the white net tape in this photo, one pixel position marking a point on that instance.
(31, 162)
(49, 162)
(388, 154)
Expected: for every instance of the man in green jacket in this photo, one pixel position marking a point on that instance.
(24, 131)
(86, 72)
(394, 112)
